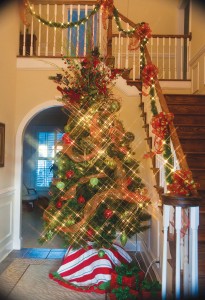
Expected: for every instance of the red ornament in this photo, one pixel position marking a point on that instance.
(66, 139)
(108, 213)
(81, 199)
(59, 204)
(69, 174)
(90, 233)
(143, 31)
(128, 181)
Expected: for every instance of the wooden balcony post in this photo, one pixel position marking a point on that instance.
(110, 60)
(109, 37)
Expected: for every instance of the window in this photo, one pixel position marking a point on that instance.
(46, 151)
(83, 38)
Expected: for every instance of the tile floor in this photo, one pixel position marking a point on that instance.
(32, 228)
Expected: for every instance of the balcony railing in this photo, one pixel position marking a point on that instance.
(40, 37)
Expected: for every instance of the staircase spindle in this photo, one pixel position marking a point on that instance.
(85, 32)
(31, 40)
(78, 30)
(47, 29)
(70, 30)
(163, 57)
(181, 57)
(54, 33)
(62, 32)
(39, 32)
(175, 58)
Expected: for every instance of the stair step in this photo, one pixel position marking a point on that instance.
(189, 119)
(188, 109)
(182, 99)
(191, 132)
(195, 160)
(189, 146)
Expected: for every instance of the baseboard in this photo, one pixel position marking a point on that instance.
(5, 250)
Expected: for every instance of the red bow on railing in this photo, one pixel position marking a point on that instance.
(160, 124)
(107, 10)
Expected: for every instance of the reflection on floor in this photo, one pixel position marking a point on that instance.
(32, 228)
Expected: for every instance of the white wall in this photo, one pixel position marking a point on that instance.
(8, 50)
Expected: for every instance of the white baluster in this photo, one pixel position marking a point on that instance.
(157, 52)
(62, 31)
(115, 51)
(127, 45)
(175, 58)
(85, 32)
(163, 57)
(118, 58)
(178, 223)
(181, 57)
(122, 53)
(31, 42)
(54, 34)
(24, 40)
(93, 29)
(47, 29)
(70, 31)
(169, 58)
(134, 65)
(166, 211)
(194, 223)
(188, 58)
(100, 31)
(39, 32)
(186, 264)
(77, 40)
(151, 48)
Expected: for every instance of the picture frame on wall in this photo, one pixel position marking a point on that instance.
(2, 144)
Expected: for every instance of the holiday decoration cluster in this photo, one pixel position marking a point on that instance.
(96, 193)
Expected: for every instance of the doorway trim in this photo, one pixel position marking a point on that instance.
(17, 206)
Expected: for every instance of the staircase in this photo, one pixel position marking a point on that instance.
(189, 120)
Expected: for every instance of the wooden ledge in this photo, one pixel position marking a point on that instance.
(182, 201)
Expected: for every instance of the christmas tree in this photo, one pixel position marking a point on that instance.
(96, 193)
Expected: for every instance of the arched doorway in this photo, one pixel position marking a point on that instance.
(40, 116)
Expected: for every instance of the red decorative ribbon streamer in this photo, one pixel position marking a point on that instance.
(160, 124)
(149, 72)
(142, 32)
(23, 7)
(107, 10)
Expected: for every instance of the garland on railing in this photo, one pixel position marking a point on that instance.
(61, 25)
(159, 122)
(183, 183)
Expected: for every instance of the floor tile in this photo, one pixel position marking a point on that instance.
(56, 255)
(36, 253)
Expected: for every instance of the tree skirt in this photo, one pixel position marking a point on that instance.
(84, 270)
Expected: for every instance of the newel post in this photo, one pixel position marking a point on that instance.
(186, 244)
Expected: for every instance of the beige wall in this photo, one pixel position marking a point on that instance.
(154, 12)
(33, 88)
(8, 33)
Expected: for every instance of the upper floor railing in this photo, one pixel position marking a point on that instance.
(47, 33)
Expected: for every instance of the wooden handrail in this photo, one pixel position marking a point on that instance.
(174, 136)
